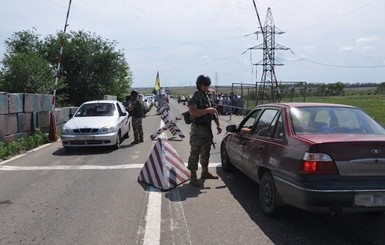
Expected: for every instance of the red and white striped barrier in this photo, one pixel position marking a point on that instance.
(164, 168)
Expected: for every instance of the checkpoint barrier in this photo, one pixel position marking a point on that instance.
(164, 168)
(168, 124)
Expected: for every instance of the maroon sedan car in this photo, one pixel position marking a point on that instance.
(315, 156)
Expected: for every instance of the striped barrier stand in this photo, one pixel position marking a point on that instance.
(164, 168)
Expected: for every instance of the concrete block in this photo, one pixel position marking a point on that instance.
(66, 111)
(15, 102)
(35, 120)
(110, 97)
(45, 102)
(24, 122)
(31, 103)
(10, 124)
(2, 126)
(44, 119)
(59, 116)
(73, 110)
(3, 103)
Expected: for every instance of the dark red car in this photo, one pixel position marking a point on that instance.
(315, 156)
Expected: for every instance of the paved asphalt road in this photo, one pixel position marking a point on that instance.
(91, 196)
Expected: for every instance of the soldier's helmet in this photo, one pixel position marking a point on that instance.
(134, 93)
(203, 79)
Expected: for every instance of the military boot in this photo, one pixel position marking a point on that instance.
(207, 175)
(194, 179)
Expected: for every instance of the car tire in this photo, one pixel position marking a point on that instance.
(225, 161)
(268, 195)
(118, 141)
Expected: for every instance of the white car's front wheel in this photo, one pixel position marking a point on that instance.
(118, 141)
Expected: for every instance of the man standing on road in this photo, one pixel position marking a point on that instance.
(136, 111)
(201, 136)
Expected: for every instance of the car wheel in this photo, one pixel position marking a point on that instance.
(117, 142)
(267, 195)
(225, 161)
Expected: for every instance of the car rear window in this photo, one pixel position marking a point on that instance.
(333, 120)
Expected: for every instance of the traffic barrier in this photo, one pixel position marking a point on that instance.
(164, 168)
(168, 124)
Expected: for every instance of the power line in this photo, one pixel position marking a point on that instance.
(337, 66)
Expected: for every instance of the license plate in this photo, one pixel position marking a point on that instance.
(369, 200)
(86, 137)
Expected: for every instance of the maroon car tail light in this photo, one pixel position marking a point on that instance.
(318, 163)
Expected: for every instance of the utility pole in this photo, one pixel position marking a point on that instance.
(52, 123)
(216, 80)
(268, 90)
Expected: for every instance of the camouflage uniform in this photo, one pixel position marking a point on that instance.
(201, 136)
(137, 114)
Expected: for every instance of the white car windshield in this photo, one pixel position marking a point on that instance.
(96, 110)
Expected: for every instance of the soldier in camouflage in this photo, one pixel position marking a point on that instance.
(136, 111)
(201, 136)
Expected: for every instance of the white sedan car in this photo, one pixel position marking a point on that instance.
(96, 123)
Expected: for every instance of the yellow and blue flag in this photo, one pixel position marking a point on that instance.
(157, 82)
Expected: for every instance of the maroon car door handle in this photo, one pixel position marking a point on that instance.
(261, 148)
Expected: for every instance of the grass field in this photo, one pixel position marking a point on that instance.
(372, 104)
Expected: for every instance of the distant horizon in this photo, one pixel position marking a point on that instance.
(193, 86)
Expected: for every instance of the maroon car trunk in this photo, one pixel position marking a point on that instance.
(354, 154)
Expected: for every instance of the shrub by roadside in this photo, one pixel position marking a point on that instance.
(22, 145)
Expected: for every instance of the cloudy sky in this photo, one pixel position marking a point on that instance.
(329, 40)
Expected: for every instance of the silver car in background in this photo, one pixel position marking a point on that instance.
(96, 123)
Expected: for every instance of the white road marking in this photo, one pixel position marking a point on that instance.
(79, 167)
(154, 206)
(153, 216)
(179, 230)
(70, 167)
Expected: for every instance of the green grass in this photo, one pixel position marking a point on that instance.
(22, 145)
(374, 105)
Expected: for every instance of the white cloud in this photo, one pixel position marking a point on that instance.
(362, 45)
(366, 40)
(347, 49)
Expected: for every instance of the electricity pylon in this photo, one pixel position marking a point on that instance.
(268, 90)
